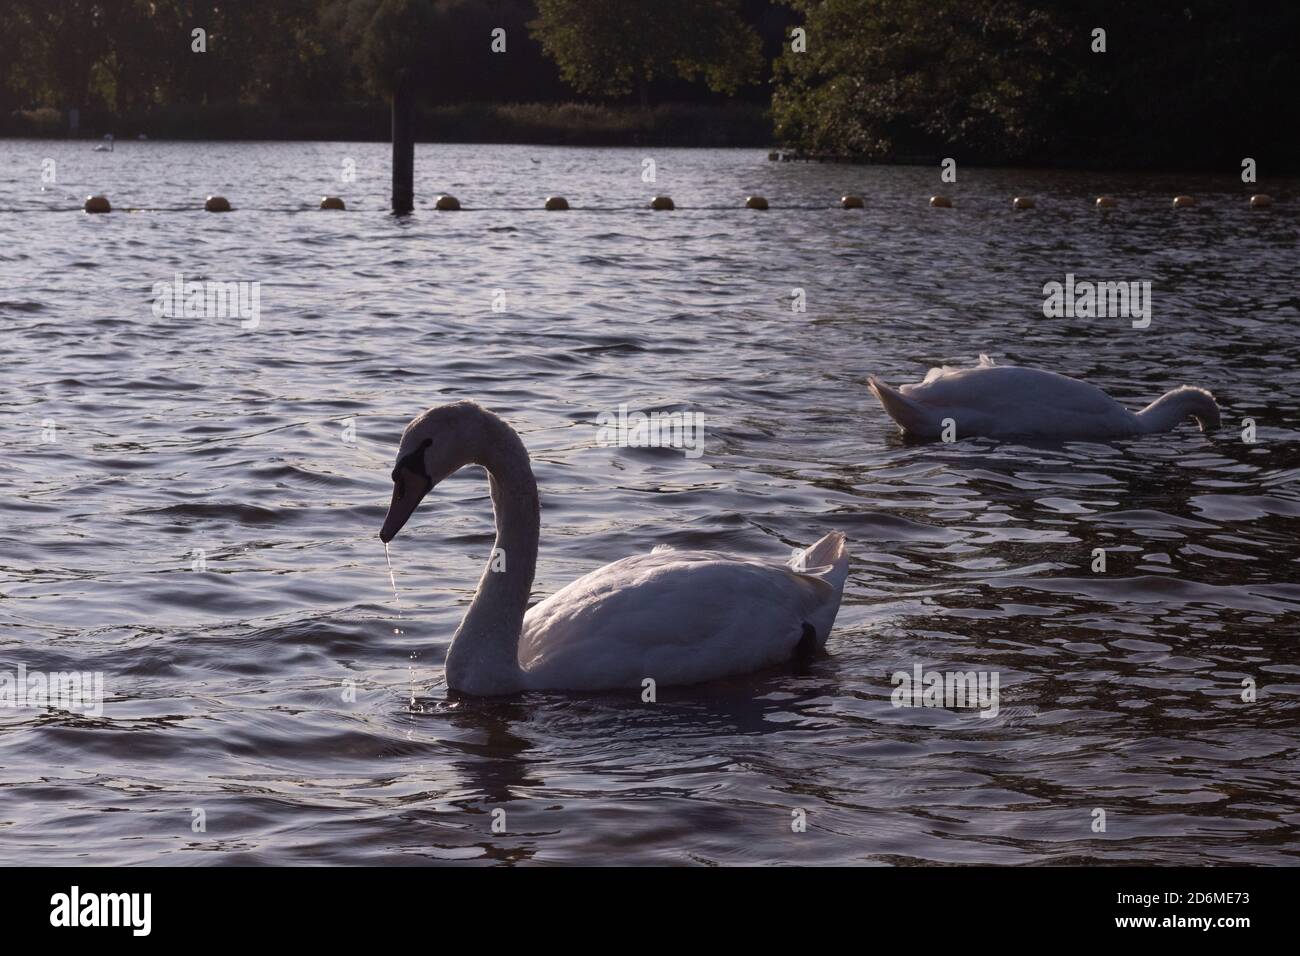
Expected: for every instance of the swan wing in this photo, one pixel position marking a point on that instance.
(942, 370)
(679, 617)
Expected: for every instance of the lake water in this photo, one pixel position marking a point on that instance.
(191, 508)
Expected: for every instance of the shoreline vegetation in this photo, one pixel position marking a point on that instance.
(667, 125)
(1104, 84)
(534, 124)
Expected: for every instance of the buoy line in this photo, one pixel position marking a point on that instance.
(99, 204)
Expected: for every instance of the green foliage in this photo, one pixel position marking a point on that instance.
(425, 44)
(612, 47)
(129, 55)
(136, 53)
(1192, 84)
(881, 76)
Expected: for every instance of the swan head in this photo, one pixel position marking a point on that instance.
(1195, 403)
(435, 445)
(1209, 418)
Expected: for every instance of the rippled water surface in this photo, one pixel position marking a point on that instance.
(137, 448)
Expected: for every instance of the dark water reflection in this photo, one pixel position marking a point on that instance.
(228, 687)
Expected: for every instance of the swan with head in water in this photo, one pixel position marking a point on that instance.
(1005, 401)
(678, 617)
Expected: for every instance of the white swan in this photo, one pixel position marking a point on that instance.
(1005, 401)
(678, 617)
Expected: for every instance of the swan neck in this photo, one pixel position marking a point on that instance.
(484, 654)
(1174, 407)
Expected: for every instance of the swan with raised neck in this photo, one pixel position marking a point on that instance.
(675, 617)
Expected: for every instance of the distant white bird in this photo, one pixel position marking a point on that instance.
(106, 146)
(677, 617)
(1005, 401)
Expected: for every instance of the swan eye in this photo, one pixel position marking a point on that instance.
(411, 462)
(414, 462)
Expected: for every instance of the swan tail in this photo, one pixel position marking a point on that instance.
(828, 560)
(909, 415)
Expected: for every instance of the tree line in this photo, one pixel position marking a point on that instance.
(1193, 83)
(121, 55)
(1190, 83)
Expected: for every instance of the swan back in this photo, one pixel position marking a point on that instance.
(1005, 401)
(681, 617)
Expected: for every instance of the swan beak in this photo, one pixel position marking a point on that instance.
(399, 511)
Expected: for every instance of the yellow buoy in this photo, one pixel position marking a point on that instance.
(1105, 202)
(851, 202)
(97, 204)
(447, 203)
(556, 203)
(217, 204)
(1022, 202)
(331, 202)
(1260, 201)
(662, 203)
(1182, 201)
(940, 202)
(755, 202)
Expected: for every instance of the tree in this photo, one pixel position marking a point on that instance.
(1188, 85)
(612, 47)
(430, 46)
(882, 76)
(66, 40)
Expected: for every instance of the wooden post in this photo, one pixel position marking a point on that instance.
(403, 150)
